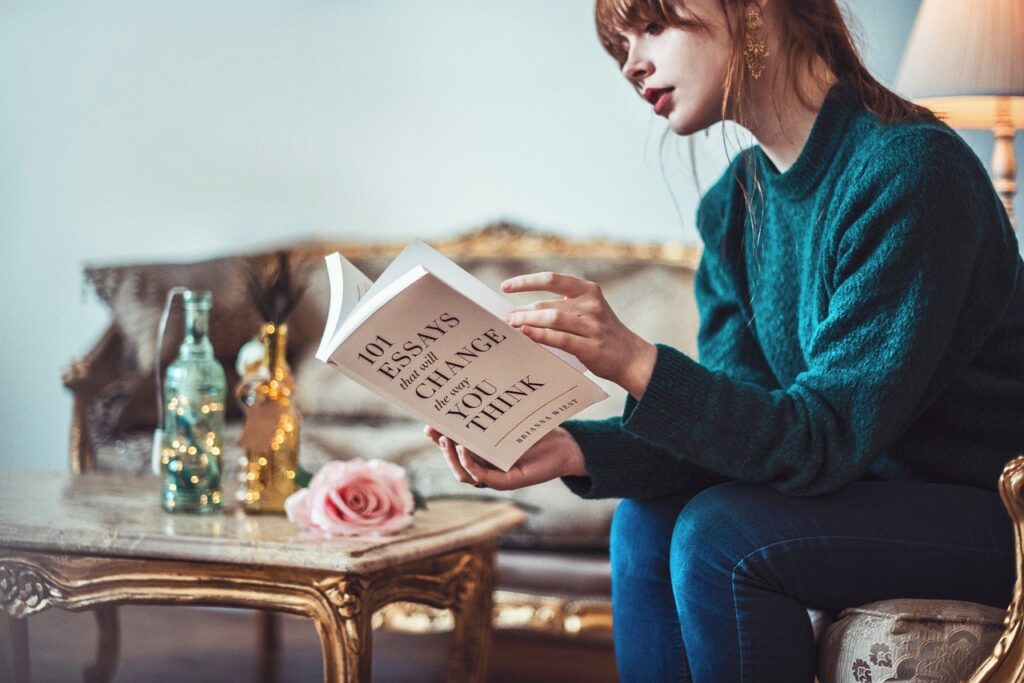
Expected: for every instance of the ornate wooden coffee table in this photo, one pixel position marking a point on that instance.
(91, 540)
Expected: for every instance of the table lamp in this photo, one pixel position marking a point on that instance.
(965, 62)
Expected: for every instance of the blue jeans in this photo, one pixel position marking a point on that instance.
(713, 586)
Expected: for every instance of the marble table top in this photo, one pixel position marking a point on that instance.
(117, 515)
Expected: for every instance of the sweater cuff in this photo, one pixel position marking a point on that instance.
(673, 405)
(600, 441)
(621, 466)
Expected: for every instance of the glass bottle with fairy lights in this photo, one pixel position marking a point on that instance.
(194, 392)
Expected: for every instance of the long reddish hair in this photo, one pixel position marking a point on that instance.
(811, 29)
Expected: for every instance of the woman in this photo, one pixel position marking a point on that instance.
(861, 375)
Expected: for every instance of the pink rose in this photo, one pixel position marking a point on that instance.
(354, 497)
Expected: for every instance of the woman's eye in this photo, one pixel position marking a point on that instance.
(652, 27)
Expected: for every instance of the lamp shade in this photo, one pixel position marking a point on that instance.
(965, 61)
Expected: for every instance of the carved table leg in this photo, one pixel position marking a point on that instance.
(108, 649)
(346, 636)
(461, 581)
(14, 662)
(472, 635)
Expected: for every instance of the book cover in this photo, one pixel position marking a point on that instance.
(447, 358)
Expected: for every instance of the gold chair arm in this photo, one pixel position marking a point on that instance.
(1006, 663)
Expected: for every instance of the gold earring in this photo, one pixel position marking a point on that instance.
(756, 50)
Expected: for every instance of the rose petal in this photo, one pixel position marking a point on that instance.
(356, 497)
(296, 508)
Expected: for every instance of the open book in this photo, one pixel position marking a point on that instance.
(427, 336)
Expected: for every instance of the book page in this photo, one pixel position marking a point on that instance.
(454, 365)
(347, 286)
(369, 305)
(461, 280)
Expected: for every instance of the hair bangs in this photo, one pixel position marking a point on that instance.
(615, 17)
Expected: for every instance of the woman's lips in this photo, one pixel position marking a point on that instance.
(663, 103)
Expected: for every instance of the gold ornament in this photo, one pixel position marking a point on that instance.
(756, 50)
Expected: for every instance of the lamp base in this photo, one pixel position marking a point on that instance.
(1004, 167)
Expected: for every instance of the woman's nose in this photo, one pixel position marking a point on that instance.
(636, 68)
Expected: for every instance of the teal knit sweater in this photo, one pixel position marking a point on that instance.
(868, 324)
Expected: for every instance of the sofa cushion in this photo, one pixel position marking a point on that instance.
(556, 572)
(908, 640)
(135, 295)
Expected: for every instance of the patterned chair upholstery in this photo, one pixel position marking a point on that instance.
(908, 640)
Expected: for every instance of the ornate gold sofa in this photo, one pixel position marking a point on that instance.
(553, 572)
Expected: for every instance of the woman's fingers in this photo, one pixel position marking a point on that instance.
(570, 343)
(432, 434)
(457, 455)
(492, 478)
(556, 283)
(555, 319)
(469, 468)
(448, 448)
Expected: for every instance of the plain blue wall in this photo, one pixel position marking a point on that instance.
(179, 129)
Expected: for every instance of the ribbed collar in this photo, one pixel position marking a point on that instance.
(825, 139)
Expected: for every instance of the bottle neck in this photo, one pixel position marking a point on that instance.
(275, 341)
(197, 324)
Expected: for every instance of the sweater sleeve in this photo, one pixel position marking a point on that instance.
(725, 341)
(922, 262)
(622, 465)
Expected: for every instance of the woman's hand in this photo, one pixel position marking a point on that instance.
(584, 325)
(556, 454)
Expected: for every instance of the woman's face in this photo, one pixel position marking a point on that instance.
(681, 71)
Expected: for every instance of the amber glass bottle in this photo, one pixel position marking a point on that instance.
(270, 439)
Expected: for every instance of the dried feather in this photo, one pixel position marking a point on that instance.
(275, 291)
